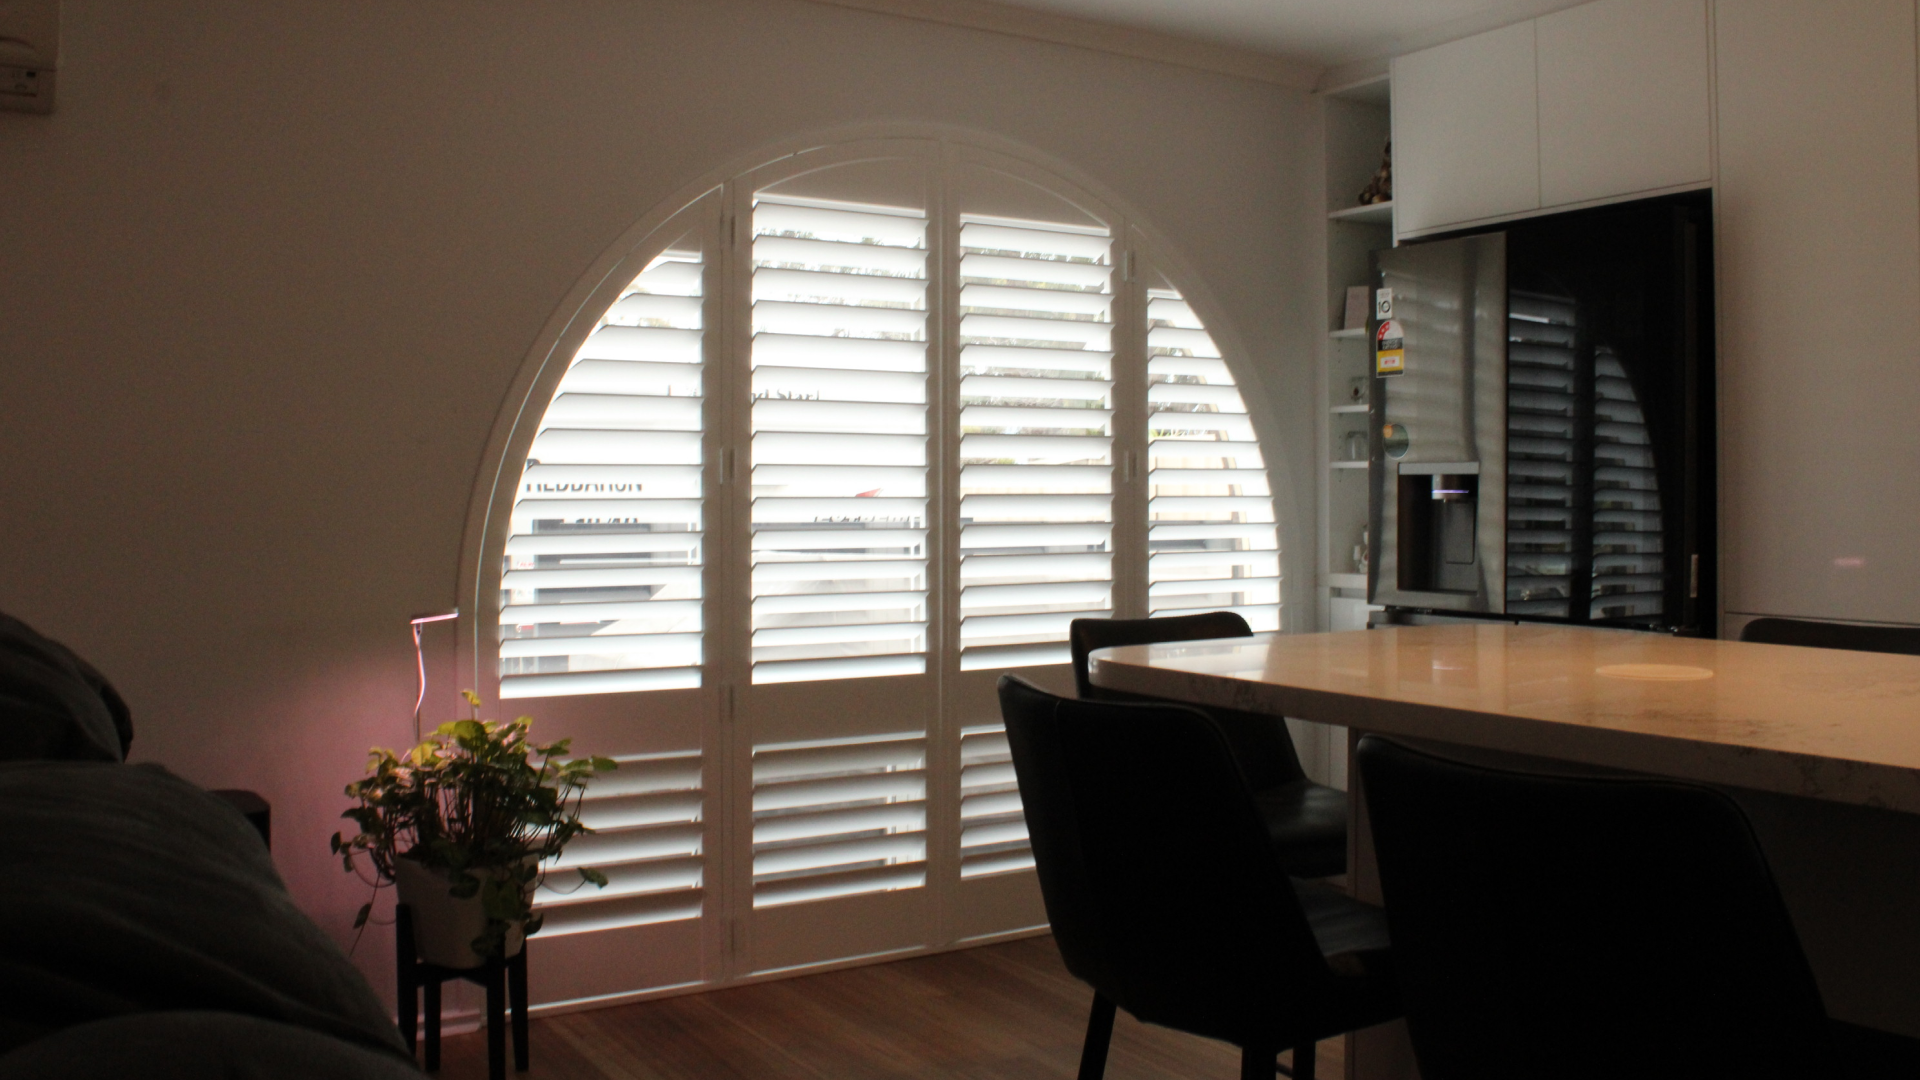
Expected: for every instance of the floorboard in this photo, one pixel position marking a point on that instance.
(999, 1012)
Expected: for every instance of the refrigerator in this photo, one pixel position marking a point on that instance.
(1542, 421)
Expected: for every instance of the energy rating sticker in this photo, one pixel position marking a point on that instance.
(1389, 351)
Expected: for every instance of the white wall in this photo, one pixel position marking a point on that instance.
(267, 273)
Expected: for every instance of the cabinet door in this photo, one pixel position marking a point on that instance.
(1466, 131)
(1623, 98)
(1818, 250)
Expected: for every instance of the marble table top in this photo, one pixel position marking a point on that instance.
(1822, 723)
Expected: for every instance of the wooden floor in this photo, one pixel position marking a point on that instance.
(1006, 1012)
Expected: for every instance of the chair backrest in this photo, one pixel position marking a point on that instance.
(1159, 879)
(1261, 745)
(1086, 635)
(1573, 928)
(1826, 635)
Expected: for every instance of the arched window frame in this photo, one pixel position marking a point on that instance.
(702, 724)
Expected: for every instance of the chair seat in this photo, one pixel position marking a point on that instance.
(1308, 824)
(1353, 937)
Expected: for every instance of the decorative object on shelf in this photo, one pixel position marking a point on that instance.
(1357, 389)
(1355, 315)
(462, 823)
(1356, 446)
(1362, 552)
(1380, 188)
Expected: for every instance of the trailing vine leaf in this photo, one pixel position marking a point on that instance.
(480, 802)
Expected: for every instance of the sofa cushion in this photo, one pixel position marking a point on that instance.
(54, 705)
(130, 890)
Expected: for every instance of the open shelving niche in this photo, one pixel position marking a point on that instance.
(1356, 125)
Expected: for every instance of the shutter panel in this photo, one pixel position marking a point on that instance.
(1629, 566)
(838, 817)
(1036, 464)
(993, 829)
(1211, 540)
(601, 589)
(1540, 444)
(839, 428)
(647, 822)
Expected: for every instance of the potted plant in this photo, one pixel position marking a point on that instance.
(461, 824)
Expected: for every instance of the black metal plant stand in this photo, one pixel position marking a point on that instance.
(503, 980)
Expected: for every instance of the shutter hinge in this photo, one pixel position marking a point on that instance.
(726, 464)
(733, 936)
(1126, 265)
(733, 229)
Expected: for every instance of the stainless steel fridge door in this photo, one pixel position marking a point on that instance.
(1439, 477)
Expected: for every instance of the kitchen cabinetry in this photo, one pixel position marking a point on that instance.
(1466, 130)
(1606, 100)
(1624, 99)
(1819, 254)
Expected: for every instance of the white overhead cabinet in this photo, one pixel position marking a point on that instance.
(1623, 99)
(1466, 131)
(1600, 101)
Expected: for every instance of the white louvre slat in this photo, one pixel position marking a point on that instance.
(598, 542)
(835, 447)
(834, 255)
(631, 480)
(1012, 539)
(833, 425)
(1046, 303)
(839, 386)
(989, 359)
(633, 377)
(1035, 333)
(1035, 508)
(1180, 342)
(850, 354)
(622, 411)
(840, 416)
(1077, 393)
(657, 344)
(1001, 269)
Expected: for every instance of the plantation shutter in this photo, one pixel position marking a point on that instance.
(1036, 455)
(1211, 539)
(601, 591)
(839, 552)
(839, 435)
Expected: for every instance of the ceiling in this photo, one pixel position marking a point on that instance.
(1317, 33)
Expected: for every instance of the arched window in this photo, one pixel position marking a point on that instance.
(833, 447)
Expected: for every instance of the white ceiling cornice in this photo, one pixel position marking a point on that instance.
(1099, 36)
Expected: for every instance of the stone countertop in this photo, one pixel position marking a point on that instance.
(1822, 723)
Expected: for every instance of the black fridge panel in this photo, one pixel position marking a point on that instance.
(1607, 493)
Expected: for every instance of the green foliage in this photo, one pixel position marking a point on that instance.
(479, 801)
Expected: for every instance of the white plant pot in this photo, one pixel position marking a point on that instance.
(444, 925)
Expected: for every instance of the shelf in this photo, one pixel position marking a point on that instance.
(1358, 333)
(1347, 581)
(1347, 464)
(1375, 214)
(1349, 408)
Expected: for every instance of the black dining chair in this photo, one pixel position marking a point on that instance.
(1307, 821)
(1165, 895)
(1548, 926)
(1773, 630)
